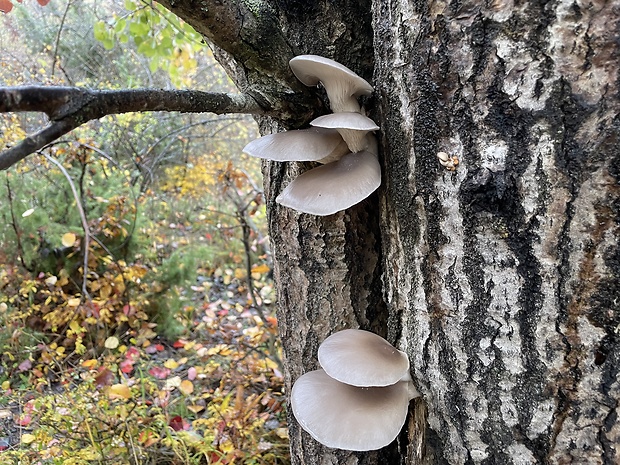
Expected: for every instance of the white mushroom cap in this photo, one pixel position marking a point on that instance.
(362, 358)
(348, 417)
(341, 84)
(353, 128)
(335, 186)
(313, 144)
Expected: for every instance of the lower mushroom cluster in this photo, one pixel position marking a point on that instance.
(360, 399)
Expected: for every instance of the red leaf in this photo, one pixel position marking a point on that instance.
(43, 2)
(132, 354)
(104, 378)
(179, 344)
(178, 423)
(5, 6)
(24, 420)
(127, 366)
(159, 373)
(25, 365)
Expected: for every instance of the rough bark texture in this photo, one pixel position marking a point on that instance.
(505, 272)
(499, 279)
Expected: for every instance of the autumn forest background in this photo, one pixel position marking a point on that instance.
(136, 301)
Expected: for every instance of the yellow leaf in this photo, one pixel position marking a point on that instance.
(282, 433)
(28, 438)
(195, 408)
(51, 280)
(173, 382)
(75, 327)
(119, 391)
(171, 364)
(239, 273)
(186, 387)
(111, 343)
(89, 364)
(6, 385)
(73, 302)
(260, 268)
(68, 239)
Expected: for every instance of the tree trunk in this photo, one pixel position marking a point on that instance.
(500, 279)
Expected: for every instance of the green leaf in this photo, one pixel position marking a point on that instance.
(120, 25)
(154, 64)
(108, 43)
(99, 30)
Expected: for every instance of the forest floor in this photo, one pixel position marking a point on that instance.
(214, 395)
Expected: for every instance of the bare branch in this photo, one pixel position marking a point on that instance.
(70, 107)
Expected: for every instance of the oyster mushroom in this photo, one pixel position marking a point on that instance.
(353, 128)
(334, 186)
(341, 84)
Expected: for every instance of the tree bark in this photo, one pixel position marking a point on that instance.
(499, 279)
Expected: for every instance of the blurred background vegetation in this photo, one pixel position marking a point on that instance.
(134, 260)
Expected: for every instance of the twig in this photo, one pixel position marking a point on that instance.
(70, 107)
(57, 43)
(80, 208)
(18, 240)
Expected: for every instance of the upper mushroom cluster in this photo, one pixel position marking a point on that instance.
(342, 141)
(360, 399)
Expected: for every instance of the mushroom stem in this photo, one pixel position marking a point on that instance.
(412, 392)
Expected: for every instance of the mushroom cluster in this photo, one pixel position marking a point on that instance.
(342, 142)
(360, 399)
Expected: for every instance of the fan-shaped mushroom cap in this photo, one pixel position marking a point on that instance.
(312, 144)
(353, 128)
(362, 358)
(341, 84)
(348, 417)
(335, 186)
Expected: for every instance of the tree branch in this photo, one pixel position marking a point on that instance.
(70, 107)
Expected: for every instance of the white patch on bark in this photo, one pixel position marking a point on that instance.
(572, 39)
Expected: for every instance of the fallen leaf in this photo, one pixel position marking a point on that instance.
(89, 364)
(111, 343)
(30, 211)
(104, 378)
(126, 366)
(173, 382)
(191, 373)
(159, 373)
(147, 438)
(171, 363)
(68, 239)
(178, 423)
(186, 387)
(25, 365)
(28, 438)
(260, 268)
(119, 391)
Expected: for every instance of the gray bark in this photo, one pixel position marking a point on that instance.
(499, 279)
